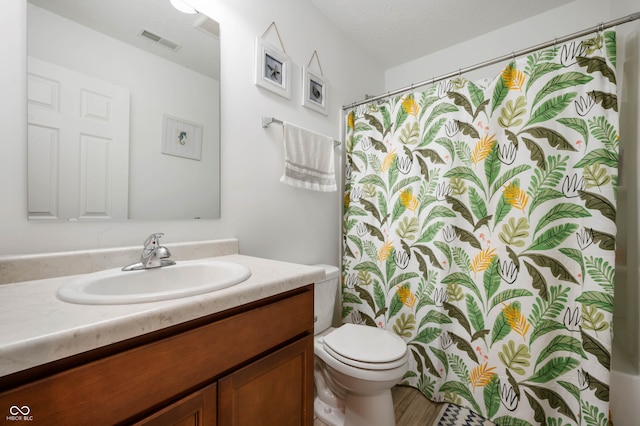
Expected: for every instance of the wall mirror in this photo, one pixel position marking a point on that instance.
(123, 111)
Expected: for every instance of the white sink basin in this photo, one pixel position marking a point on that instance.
(187, 278)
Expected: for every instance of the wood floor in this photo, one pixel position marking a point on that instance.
(411, 408)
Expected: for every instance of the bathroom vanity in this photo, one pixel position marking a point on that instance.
(239, 356)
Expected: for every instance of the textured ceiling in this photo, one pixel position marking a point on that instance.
(398, 31)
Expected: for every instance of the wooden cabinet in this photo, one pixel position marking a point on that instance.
(197, 409)
(271, 391)
(252, 362)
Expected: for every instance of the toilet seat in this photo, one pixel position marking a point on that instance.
(366, 347)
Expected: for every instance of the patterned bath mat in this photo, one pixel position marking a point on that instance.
(454, 415)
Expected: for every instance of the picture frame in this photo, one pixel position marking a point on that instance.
(181, 138)
(272, 69)
(314, 91)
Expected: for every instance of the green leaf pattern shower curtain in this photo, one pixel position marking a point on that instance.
(479, 225)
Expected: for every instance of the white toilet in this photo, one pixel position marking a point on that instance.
(355, 365)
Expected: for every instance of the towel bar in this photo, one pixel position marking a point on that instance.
(267, 121)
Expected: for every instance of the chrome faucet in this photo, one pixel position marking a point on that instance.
(153, 255)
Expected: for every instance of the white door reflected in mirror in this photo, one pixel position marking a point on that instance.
(78, 157)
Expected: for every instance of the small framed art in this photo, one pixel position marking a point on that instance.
(181, 138)
(314, 91)
(272, 69)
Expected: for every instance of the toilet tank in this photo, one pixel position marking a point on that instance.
(325, 295)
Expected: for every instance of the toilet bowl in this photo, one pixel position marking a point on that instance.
(355, 365)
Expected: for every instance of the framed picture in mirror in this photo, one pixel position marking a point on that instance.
(272, 69)
(314, 91)
(181, 138)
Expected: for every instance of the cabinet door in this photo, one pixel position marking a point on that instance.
(275, 390)
(197, 409)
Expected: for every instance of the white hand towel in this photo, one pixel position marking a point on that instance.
(308, 159)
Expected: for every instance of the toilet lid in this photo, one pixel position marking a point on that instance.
(365, 344)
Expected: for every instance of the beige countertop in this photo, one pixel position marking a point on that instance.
(36, 327)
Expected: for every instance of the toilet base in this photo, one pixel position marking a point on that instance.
(331, 416)
(360, 410)
(370, 410)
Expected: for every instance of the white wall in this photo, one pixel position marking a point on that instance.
(270, 219)
(564, 20)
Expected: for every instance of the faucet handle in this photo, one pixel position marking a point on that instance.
(153, 240)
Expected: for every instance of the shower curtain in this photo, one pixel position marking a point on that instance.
(479, 225)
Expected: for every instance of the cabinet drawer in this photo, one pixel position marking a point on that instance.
(120, 386)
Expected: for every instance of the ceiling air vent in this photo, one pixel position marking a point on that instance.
(159, 39)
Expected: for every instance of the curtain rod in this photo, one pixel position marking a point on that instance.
(599, 27)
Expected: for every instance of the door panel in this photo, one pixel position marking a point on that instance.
(82, 172)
